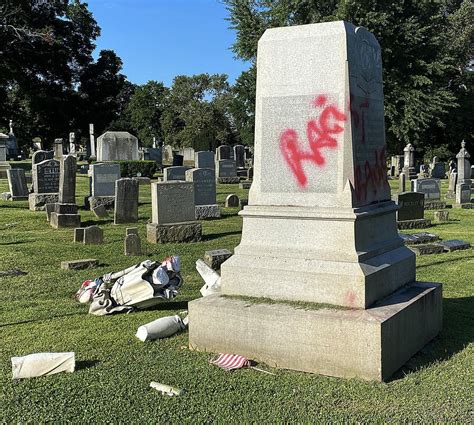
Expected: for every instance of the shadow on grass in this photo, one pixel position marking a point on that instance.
(95, 222)
(18, 242)
(457, 334)
(86, 364)
(450, 260)
(44, 319)
(211, 236)
(178, 305)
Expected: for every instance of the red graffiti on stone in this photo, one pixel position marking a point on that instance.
(358, 115)
(370, 176)
(320, 133)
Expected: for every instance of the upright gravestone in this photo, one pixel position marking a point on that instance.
(45, 184)
(409, 161)
(103, 178)
(58, 149)
(411, 210)
(117, 146)
(452, 179)
(463, 186)
(4, 165)
(204, 159)
(72, 143)
(204, 181)
(126, 201)
(173, 214)
(178, 159)
(437, 169)
(402, 182)
(226, 172)
(431, 188)
(17, 184)
(319, 226)
(239, 155)
(174, 173)
(65, 210)
(223, 152)
(37, 157)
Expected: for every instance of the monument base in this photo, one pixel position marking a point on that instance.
(435, 205)
(207, 211)
(369, 344)
(37, 201)
(468, 206)
(107, 201)
(59, 221)
(228, 180)
(426, 249)
(420, 223)
(190, 231)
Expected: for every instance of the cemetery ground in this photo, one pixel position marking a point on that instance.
(114, 369)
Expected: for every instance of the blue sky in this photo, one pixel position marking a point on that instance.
(159, 39)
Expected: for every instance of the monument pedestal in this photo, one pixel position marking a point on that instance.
(420, 223)
(64, 215)
(190, 231)
(37, 201)
(382, 338)
(4, 167)
(207, 211)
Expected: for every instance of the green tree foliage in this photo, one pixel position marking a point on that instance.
(426, 48)
(144, 111)
(44, 47)
(197, 112)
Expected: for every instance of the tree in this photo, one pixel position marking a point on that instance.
(44, 46)
(419, 52)
(197, 112)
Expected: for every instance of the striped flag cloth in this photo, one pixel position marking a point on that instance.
(230, 361)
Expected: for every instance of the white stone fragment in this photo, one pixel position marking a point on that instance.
(211, 277)
(42, 364)
(160, 328)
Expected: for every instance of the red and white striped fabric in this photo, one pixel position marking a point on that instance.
(230, 361)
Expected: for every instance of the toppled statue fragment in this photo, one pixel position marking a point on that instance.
(211, 277)
(166, 389)
(42, 364)
(160, 328)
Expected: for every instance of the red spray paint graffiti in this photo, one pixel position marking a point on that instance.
(358, 115)
(374, 176)
(320, 133)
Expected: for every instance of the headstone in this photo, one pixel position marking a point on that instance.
(104, 177)
(426, 249)
(454, 245)
(239, 155)
(131, 231)
(79, 264)
(92, 141)
(132, 245)
(320, 226)
(216, 257)
(232, 201)
(463, 194)
(173, 213)
(17, 184)
(72, 143)
(226, 172)
(40, 156)
(79, 235)
(167, 154)
(67, 180)
(452, 180)
(437, 169)
(402, 182)
(204, 159)
(178, 160)
(441, 216)
(4, 165)
(93, 235)
(126, 201)
(204, 181)
(117, 146)
(411, 212)
(187, 153)
(430, 187)
(397, 163)
(223, 152)
(174, 173)
(463, 185)
(100, 211)
(155, 154)
(58, 149)
(409, 161)
(45, 184)
(250, 173)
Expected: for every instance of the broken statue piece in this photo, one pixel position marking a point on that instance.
(211, 277)
(166, 389)
(160, 328)
(42, 364)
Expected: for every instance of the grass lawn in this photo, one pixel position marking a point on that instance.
(114, 369)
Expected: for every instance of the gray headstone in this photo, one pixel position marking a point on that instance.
(204, 185)
(117, 146)
(40, 156)
(463, 193)
(454, 245)
(178, 159)
(3, 153)
(226, 168)
(223, 152)
(239, 156)
(46, 176)
(412, 205)
(93, 235)
(464, 165)
(204, 159)
(100, 211)
(430, 187)
(174, 173)
(67, 180)
(58, 149)
(132, 245)
(78, 234)
(172, 202)
(155, 154)
(441, 216)
(232, 201)
(402, 182)
(104, 177)
(452, 181)
(126, 201)
(17, 184)
(438, 170)
(131, 231)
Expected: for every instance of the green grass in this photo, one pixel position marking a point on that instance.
(114, 369)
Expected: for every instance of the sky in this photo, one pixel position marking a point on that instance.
(159, 39)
